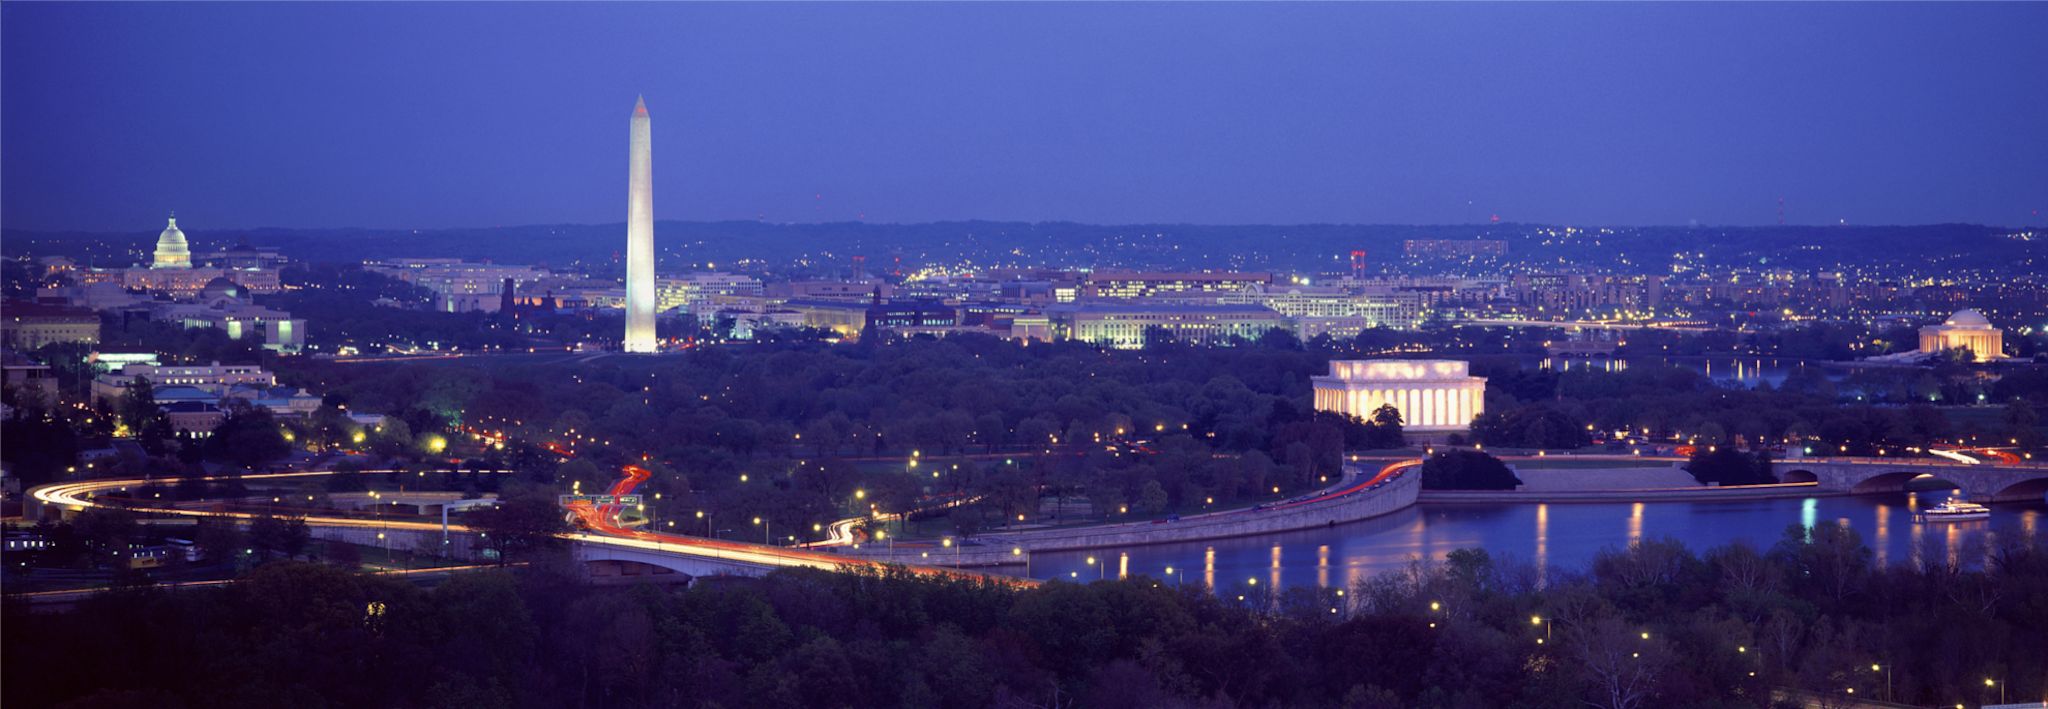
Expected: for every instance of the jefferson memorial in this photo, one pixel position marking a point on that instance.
(1967, 329)
(1431, 394)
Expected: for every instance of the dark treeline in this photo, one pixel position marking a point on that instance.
(1542, 408)
(809, 423)
(1652, 625)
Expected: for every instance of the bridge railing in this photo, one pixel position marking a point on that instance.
(1902, 461)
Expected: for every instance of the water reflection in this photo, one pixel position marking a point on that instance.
(1560, 535)
(1747, 372)
(1323, 566)
(1882, 544)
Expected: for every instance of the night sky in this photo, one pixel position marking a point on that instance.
(464, 115)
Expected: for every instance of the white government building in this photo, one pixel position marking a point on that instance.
(1431, 394)
(1967, 330)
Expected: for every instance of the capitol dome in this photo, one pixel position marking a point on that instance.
(171, 251)
(1968, 318)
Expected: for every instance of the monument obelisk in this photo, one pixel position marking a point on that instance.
(640, 235)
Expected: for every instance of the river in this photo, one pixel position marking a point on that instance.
(1744, 372)
(1550, 536)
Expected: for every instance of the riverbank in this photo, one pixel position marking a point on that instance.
(1392, 489)
(1694, 493)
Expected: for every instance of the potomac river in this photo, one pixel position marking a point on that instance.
(1554, 536)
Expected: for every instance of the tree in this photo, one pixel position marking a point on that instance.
(249, 436)
(270, 534)
(1828, 560)
(218, 539)
(2022, 423)
(1724, 465)
(519, 525)
(1152, 498)
(1386, 428)
(1619, 665)
(1467, 470)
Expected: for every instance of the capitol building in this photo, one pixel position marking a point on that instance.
(1965, 330)
(172, 269)
(1433, 395)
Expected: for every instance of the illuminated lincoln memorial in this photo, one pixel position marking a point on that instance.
(1431, 394)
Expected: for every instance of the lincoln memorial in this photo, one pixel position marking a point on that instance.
(1431, 394)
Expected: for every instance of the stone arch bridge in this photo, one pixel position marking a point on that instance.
(1979, 483)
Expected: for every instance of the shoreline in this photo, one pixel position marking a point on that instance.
(1399, 493)
(1665, 494)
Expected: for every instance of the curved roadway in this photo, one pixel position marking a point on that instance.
(78, 495)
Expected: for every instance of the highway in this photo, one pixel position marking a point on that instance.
(601, 519)
(601, 527)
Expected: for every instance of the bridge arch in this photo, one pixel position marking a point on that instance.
(2025, 490)
(1799, 476)
(1896, 481)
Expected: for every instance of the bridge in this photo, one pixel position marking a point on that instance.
(606, 549)
(1590, 325)
(1978, 482)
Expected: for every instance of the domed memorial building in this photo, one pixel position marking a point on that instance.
(1433, 395)
(171, 249)
(1967, 330)
(172, 271)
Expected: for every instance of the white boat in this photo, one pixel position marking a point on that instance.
(1953, 510)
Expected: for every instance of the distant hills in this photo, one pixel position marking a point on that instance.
(824, 248)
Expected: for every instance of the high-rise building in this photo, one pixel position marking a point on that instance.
(640, 297)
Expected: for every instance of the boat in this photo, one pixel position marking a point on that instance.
(1953, 510)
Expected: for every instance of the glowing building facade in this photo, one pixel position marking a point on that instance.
(171, 249)
(640, 296)
(1968, 330)
(1431, 394)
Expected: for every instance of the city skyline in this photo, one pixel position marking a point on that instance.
(1446, 355)
(1608, 115)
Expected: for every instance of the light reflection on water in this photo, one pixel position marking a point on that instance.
(1555, 537)
(1746, 371)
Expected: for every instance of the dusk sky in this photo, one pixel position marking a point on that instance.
(457, 115)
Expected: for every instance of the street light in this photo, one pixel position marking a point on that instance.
(1887, 679)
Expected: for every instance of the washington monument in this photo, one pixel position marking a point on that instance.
(640, 235)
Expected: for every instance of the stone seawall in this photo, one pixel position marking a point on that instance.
(1708, 494)
(1013, 548)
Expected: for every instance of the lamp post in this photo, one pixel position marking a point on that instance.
(764, 529)
(1887, 678)
(707, 522)
(1545, 622)
(2001, 688)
